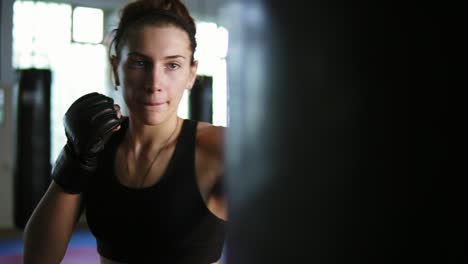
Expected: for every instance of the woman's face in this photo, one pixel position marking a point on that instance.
(154, 69)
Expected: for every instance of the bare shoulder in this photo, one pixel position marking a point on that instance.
(210, 138)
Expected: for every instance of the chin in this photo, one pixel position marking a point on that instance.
(151, 118)
(154, 119)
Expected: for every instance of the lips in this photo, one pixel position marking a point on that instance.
(154, 103)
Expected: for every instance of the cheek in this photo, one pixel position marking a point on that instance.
(133, 83)
(129, 97)
(133, 79)
(177, 81)
(184, 78)
(182, 86)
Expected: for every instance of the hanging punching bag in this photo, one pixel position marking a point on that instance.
(32, 159)
(201, 99)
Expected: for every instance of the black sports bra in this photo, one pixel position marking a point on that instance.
(164, 223)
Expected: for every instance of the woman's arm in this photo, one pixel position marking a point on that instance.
(50, 226)
(89, 122)
(210, 168)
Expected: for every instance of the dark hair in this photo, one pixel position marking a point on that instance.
(153, 12)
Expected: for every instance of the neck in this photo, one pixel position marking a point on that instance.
(141, 137)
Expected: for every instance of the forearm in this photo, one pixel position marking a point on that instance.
(89, 122)
(50, 227)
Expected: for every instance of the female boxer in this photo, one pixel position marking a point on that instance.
(150, 182)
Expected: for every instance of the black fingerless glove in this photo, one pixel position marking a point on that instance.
(88, 125)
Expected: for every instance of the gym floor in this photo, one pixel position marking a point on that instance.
(81, 249)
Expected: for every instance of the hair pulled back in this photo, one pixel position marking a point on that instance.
(153, 12)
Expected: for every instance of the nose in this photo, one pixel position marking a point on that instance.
(155, 79)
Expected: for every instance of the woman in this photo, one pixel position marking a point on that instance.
(150, 183)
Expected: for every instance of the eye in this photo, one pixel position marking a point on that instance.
(172, 66)
(136, 63)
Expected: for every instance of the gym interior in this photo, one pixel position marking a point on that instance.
(336, 145)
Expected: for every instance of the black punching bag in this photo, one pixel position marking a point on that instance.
(32, 161)
(338, 145)
(201, 99)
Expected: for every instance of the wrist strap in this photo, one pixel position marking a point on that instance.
(70, 173)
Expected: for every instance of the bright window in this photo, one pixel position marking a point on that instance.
(42, 34)
(212, 46)
(88, 25)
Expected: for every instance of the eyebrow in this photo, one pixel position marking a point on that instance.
(175, 57)
(135, 53)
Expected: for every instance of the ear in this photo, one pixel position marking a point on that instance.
(193, 74)
(114, 60)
